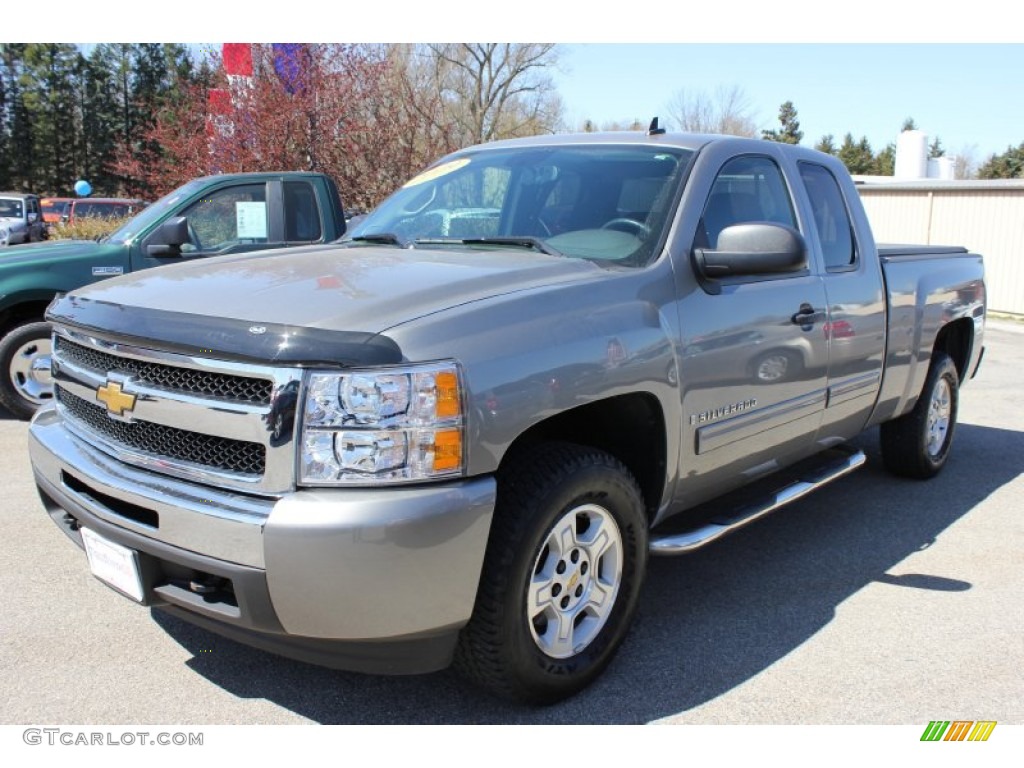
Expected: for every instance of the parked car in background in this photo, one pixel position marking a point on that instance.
(102, 208)
(211, 216)
(54, 209)
(21, 219)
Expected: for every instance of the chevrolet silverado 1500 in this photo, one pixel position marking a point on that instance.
(458, 434)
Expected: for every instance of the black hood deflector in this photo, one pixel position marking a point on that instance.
(225, 338)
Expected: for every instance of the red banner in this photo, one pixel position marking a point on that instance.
(238, 59)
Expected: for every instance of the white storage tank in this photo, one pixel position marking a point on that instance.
(942, 168)
(912, 155)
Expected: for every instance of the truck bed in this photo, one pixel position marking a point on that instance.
(890, 250)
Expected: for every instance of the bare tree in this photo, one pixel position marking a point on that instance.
(489, 91)
(965, 163)
(727, 110)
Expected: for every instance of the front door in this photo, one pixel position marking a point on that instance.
(753, 356)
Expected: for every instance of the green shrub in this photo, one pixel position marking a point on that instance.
(86, 229)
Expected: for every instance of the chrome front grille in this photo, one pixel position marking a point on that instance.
(220, 423)
(169, 442)
(193, 382)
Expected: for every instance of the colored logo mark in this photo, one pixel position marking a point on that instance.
(958, 730)
(115, 399)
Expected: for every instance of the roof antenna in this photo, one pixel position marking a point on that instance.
(654, 130)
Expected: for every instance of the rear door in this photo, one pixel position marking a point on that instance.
(855, 331)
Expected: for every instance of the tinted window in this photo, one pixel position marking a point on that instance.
(748, 188)
(301, 213)
(830, 216)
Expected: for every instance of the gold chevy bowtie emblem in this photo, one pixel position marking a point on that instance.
(117, 402)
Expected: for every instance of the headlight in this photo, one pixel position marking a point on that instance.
(382, 426)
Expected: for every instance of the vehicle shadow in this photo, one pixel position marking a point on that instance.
(708, 622)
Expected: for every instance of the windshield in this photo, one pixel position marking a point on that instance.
(606, 203)
(153, 212)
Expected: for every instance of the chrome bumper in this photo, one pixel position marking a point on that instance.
(352, 564)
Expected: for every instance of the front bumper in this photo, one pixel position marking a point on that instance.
(376, 580)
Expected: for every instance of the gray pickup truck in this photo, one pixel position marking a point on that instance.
(458, 435)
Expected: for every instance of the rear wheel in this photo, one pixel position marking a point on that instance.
(25, 380)
(917, 444)
(561, 577)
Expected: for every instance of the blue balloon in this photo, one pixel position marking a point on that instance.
(83, 188)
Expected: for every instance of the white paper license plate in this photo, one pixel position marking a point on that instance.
(113, 564)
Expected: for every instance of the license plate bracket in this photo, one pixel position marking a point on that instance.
(114, 565)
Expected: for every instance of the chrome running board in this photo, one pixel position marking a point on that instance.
(690, 540)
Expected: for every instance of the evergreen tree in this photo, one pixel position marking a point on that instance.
(1008, 165)
(48, 82)
(5, 129)
(857, 156)
(63, 114)
(19, 157)
(827, 145)
(909, 125)
(790, 132)
(936, 149)
(99, 118)
(885, 161)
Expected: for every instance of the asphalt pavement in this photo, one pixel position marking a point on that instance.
(875, 601)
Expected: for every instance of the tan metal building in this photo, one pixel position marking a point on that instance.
(984, 216)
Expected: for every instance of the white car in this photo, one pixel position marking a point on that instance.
(21, 219)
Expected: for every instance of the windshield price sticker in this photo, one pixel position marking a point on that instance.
(435, 173)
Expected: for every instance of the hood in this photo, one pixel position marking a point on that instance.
(34, 253)
(316, 293)
(11, 222)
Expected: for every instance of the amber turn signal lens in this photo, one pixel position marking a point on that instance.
(447, 450)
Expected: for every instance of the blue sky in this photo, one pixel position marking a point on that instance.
(969, 95)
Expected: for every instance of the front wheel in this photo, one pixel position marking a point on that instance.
(562, 575)
(917, 444)
(25, 380)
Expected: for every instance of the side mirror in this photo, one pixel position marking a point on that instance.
(169, 237)
(33, 218)
(759, 248)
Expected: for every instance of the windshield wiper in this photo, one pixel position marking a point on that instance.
(386, 238)
(523, 241)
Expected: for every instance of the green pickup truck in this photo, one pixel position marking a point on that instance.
(209, 216)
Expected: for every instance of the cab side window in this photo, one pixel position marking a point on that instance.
(830, 217)
(748, 188)
(301, 213)
(228, 216)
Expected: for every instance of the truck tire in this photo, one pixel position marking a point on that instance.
(561, 577)
(917, 444)
(25, 381)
